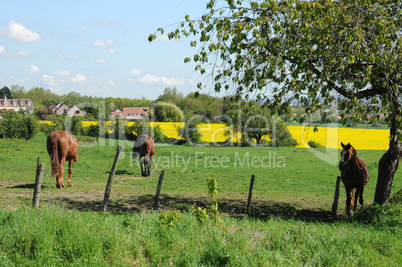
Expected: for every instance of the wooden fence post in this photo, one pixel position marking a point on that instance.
(336, 197)
(158, 190)
(40, 167)
(110, 180)
(250, 193)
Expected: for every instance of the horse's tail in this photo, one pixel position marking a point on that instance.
(53, 150)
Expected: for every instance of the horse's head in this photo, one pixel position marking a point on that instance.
(347, 153)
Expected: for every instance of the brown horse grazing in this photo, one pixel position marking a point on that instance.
(144, 147)
(354, 174)
(62, 147)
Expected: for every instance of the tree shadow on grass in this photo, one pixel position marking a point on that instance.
(232, 207)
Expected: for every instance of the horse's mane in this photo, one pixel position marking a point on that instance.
(354, 151)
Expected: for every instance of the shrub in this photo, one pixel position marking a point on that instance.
(76, 126)
(143, 127)
(314, 144)
(18, 125)
(92, 130)
(191, 134)
(169, 219)
(397, 198)
(282, 136)
(385, 215)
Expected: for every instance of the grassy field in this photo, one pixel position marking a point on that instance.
(294, 178)
(292, 198)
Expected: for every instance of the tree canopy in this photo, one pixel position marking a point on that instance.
(317, 52)
(5, 92)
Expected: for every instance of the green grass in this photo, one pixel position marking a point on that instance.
(55, 237)
(292, 178)
(291, 203)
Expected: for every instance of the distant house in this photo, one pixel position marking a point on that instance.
(131, 113)
(117, 113)
(16, 104)
(62, 109)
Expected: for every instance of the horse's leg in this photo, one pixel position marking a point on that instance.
(349, 197)
(60, 179)
(149, 166)
(141, 163)
(351, 194)
(357, 196)
(70, 170)
(146, 166)
(361, 200)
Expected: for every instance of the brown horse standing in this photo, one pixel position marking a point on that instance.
(144, 147)
(62, 147)
(354, 174)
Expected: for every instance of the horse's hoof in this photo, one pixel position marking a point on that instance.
(70, 184)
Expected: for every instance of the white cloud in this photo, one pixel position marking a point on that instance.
(62, 73)
(136, 72)
(79, 78)
(49, 80)
(22, 53)
(101, 60)
(67, 56)
(164, 38)
(148, 78)
(111, 83)
(100, 43)
(34, 69)
(19, 33)
(112, 51)
(107, 22)
(2, 49)
(172, 81)
(114, 23)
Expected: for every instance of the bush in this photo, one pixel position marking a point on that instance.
(93, 130)
(385, 215)
(191, 134)
(76, 126)
(314, 144)
(397, 198)
(18, 125)
(143, 127)
(57, 123)
(282, 136)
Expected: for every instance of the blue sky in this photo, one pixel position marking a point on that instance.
(96, 48)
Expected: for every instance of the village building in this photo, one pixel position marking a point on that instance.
(16, 105)
(130, 113)
(62, 109)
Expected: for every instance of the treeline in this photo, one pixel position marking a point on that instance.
(42, 98)
(251, 120)
(173, 105)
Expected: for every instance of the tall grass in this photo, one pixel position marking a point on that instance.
(53, 237)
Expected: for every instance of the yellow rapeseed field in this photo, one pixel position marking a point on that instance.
(329, 137)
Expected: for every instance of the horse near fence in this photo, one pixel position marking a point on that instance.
(144, 147)
(354, 175)
(62, 147)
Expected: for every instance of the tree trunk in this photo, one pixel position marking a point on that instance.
(386, 170)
